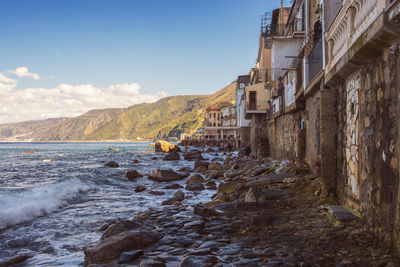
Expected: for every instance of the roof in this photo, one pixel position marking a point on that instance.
(213, 108)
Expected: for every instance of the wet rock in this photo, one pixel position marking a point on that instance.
(120, 227)
(188, 261)
(111, 248)
(135, 161)
(198, 224)
(173, 186)
(192, 155)
(195, 187)
(127, 257)
(215, 166)
(195, 183)
(185, 169)
(263, 170)
(201, 169)
(177, 197)
(132, 175)
(15, 260)
(215, 174)
(151, 263)
(210, 150)
(165, 175)
(262, 219)
(167, 147)
(204, 211)
(199, 162)
(262, 195)
(140, 188)
(111, 164)
(172, 156)
(226, 188)
(184, 241)
(211, 185)
(154, 158)
(157, 193)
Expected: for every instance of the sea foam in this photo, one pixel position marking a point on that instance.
(23, 206)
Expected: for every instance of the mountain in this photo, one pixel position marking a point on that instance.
(165, 118)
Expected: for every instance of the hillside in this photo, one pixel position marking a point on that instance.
(168, 117)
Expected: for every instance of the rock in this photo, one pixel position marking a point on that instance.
(140, 188)
(158, 193)
(113, 149)
(198, 224)
(215, 166)
(132, 175)
(341, 213)
(204, 211)
(167, 147)
(201, 169)
(263, 170)
(195, 182)
(165, 175)
(192, 155)
(177, 197)
(226, 188)
(120, 227)
(172, 156)
(154, 158)
(214, 174)
(262, 195)
(127, 257)
(195, 178)
(199, 162)
(173, 186)
(29, 152)
(195, 187)
(244, 151)
(111, 248)
(211, 185)
(262, 219)
(111, 164)
(210, 150)
(12, 261)
(151, 263)
(185, 169)
(135, 161)
(184, 241)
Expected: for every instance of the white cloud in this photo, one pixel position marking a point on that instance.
(65, 100)
(23, 72)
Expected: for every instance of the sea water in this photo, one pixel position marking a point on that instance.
(53, 201)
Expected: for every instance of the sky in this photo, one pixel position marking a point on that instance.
(61, 58)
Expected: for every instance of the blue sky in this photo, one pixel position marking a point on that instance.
(169, 46)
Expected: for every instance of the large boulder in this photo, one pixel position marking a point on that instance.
(192, 155)
(195, 183)
(172, 156)
(165, 175)
(215, 166)
(226, 188)
(132, 175)
(262, 195)
(167, 147)
(111, 248)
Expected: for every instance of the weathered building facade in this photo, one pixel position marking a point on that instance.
(336, 106)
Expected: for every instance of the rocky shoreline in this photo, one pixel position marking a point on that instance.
(264, 213)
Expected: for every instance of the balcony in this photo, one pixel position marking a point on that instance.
(256, 99)
(353, 19)
(314, 61)
(270, 75)
(274, 30)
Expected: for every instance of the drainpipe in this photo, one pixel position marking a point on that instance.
(323, 34)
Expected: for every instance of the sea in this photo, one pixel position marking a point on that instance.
(53, 201)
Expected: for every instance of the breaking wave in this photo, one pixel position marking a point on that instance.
(23, 206)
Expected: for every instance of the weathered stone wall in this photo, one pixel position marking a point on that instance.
(368, 144)
(282, 136)
(312, 130)
(259, 136)
(244, 133)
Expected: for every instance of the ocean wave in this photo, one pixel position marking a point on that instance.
(23, 206)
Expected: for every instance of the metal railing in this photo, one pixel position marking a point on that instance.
(272, 30)
(268, 75)
(315, 61)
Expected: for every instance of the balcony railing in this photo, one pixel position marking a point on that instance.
(268, 75)
(315, 61)
(351, 22)
(297, 25)
(274, 30)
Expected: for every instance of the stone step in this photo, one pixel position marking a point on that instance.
(341, 213)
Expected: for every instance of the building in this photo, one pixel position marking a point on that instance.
(242, 123)
(229, 129)
(336, 105)
(213, 120)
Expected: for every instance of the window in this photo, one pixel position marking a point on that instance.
(241, 86)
